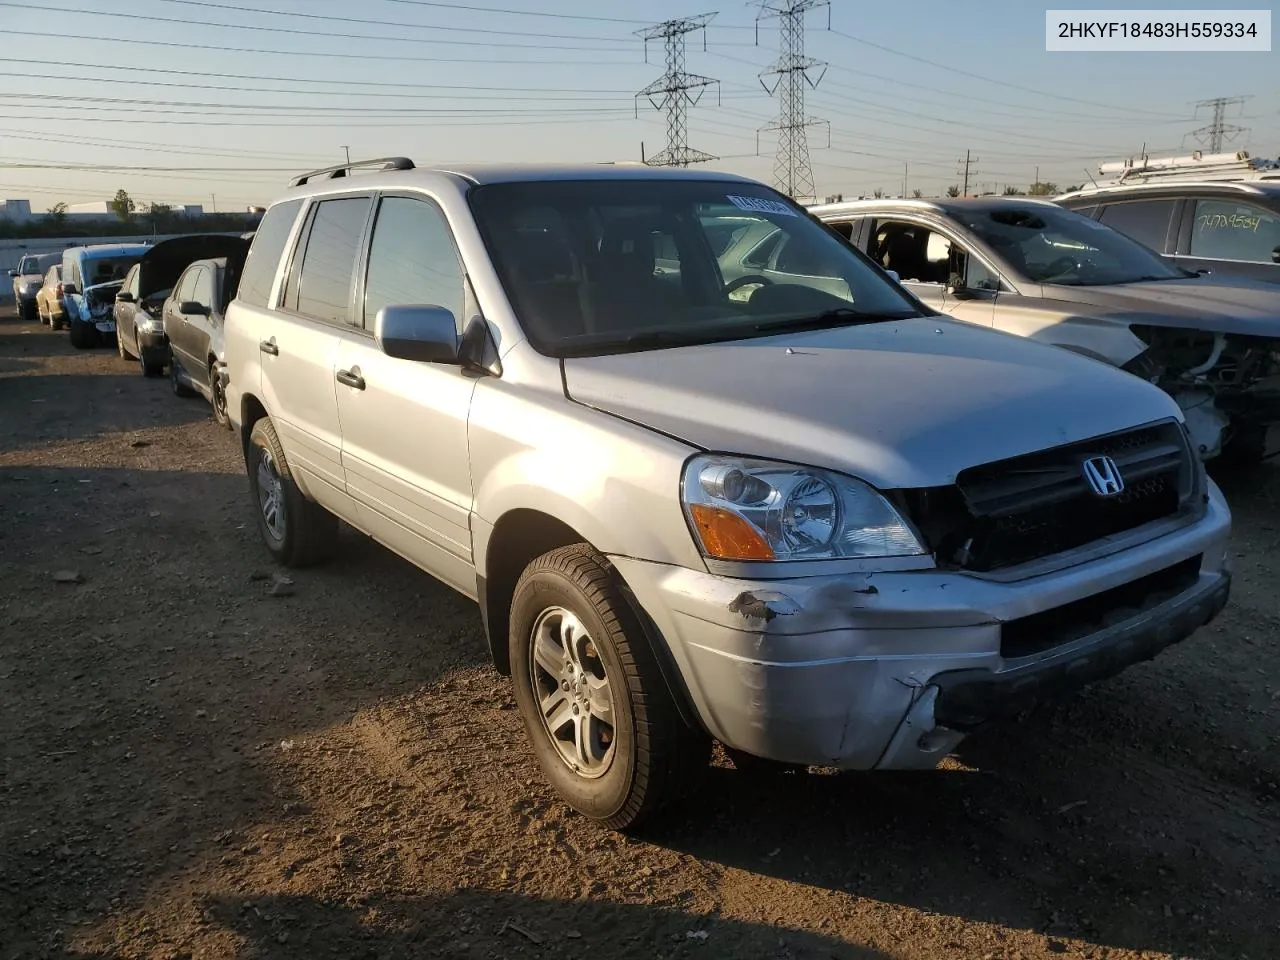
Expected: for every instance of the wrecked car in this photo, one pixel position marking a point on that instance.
(91, 278)
(1034, 269)
(139, 304)
(821, 523)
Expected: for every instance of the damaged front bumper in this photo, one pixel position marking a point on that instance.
(892, 670)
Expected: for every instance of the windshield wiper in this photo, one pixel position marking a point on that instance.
(837, 317)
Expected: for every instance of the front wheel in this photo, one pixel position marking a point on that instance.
(83, 335)
(298, 533)
(120, 348)
(596, 708)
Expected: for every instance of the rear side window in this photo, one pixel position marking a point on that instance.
(329, 260)
(1226, 230)
(265, 252)
(412, 260)
(1146, 221)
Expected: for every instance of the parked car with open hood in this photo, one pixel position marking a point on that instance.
(27, 278)
(193, 323)
(1032, 268)
(139, 304)
(823, 524)
(49, 308)
(91, 278)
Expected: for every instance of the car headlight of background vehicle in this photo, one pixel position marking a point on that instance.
(746, 509)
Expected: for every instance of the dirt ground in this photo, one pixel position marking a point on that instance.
(194, 766)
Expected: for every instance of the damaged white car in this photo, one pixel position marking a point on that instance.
(1031, 268)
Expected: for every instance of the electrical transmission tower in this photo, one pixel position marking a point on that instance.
(1217, 130)
(790, 73)
(675, 91)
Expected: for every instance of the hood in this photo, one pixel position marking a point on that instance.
(902, 404)
(1215, 304)
(163, 263)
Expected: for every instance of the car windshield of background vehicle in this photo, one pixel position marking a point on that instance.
(37, 264)
(606, 266)
(1225, 230)
(1052, 245)
(107, 269)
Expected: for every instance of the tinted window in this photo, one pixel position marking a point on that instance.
(1146, 221)
(329, 261)
(108, 269)
(412, 259)
(265, 251)
(1226, 230)
(202, 292)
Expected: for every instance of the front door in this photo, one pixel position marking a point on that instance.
(126, 328)
(404, 424)
(937, 268)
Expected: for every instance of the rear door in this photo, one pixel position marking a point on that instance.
(1151, 222)
(198, 327)
(176, 322)
(300, 339)
(1239, 237)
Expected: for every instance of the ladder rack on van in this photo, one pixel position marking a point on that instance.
(344, 169)
(1197, 166)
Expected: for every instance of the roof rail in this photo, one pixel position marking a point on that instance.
(344, 169)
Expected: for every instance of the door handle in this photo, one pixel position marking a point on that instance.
(269, 346)
(351, 378)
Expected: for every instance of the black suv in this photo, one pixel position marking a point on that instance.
(1226, 226)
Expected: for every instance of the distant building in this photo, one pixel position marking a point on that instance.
(95, 208)
(15, 210)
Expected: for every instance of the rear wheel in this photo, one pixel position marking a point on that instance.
(218, 397)
(55, 322)
(298, 533)
(83, 336)
(596, 708)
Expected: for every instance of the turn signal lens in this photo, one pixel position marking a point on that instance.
(728, 536)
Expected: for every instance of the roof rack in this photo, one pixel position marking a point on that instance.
(1197, 166)
(344, 169)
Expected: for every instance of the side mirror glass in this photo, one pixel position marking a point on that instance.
(192, 308)
(894, 276)
(124, 296)
(426, 334)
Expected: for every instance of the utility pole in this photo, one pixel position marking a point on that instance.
(905, 177)
(792, 172)
(348, 150)
(968, 162)
(675, 91)
(1218, 130)
(1036, 181)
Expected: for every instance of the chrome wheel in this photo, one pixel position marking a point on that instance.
(219, 396)
(271, 495)
(575, 701)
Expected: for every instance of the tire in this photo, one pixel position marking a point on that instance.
(1247, 445)
(301, 533)
(647, 757)
(83, 336)
(56, 323)
(218, 398)
(180, 389)
(150, 369)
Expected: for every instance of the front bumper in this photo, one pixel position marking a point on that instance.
(153, 346)
(892, 670)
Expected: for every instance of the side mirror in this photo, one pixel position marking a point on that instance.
(69, 290)
(191, 308)
(124, 296)
(957, 289)
(13, 271)
(426, 334)
(894, 276)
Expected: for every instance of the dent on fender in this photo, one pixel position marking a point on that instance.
(836, 598)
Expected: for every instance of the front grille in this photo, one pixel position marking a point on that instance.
(1051, 628)
(1014, 511)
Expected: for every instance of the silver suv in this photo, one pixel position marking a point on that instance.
(818, 521)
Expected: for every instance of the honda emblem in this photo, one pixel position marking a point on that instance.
(1103, 476)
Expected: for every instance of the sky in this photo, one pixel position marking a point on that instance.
(219, 102)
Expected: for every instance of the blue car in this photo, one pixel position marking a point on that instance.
(91, 278)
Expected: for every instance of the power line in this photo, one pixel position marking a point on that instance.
(792, 170)
(1217, 129)
(676, 90)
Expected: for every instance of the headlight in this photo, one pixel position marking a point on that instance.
(147, 323)
(741, 509)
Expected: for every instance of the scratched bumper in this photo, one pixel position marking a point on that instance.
(861, 671)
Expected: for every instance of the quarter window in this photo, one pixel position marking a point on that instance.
(412, 260)
(1146, 221)
(1224, 230)
(202, 292)
(329, 260)
(259, 272)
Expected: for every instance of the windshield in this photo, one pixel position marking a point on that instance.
(1052, 245)
(107, 269)
(37, 264)
(611, 265)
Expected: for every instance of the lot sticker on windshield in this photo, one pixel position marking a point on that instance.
(757, 205)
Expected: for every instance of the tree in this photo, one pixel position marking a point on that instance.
(953, 190)
(1012, 192)
(158, 213)
(917, 193)
(58, 213)
(1039, 189)
(1073, 188)
(123, 206)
